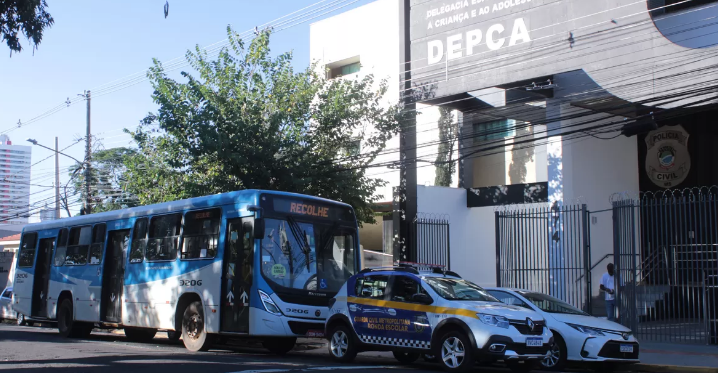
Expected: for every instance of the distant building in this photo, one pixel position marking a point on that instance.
(15, 161)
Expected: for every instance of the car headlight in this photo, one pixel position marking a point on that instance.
(269, 304)
(494, 320)
(587, 330)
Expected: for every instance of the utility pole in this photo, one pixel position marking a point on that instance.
(88, 159)
(57, 180)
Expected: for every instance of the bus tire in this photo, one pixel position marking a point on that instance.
(194, 334)
(140, 334)
(66, 324)
(279, 346)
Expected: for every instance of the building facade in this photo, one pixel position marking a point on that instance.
(15, 161)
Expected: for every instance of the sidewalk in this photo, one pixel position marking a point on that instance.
(676, 358)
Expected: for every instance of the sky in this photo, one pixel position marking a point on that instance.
(95, 43)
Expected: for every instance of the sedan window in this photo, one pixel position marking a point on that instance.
(508, 298)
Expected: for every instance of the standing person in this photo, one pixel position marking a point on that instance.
(608, 287)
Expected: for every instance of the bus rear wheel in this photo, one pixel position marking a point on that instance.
(279, 346)
(194, 334)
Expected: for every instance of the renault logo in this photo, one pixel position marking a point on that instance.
(625, 336)
(530, 323)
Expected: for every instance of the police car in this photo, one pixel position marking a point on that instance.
(410, 313)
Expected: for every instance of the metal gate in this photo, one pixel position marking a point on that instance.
(665, 247)
(431, 243)
(545, 249)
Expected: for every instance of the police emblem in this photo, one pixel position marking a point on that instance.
(667, 159)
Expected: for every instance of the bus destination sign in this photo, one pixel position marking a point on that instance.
(310, 209)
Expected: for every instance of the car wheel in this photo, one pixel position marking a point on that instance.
(455, 352)
(194, 335)
(342, 344)
(279, 346)
(406, 357)
(557, 359)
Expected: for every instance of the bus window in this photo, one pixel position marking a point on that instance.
(139, 241)
(164, 234)
(61, 250)
(78, 246)
(27, 251)
(201, 233)
(98, 240)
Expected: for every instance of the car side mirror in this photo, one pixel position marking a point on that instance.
(422, 298)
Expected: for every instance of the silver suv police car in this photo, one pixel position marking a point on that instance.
(434, 313)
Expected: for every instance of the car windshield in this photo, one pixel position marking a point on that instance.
(454, 289)
(308, 256)
(550, 304)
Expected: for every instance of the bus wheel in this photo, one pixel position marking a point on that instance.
(279, 346)
(21, 320)
(140, 334)
(194, 335)
(66, 324)
(173, 335)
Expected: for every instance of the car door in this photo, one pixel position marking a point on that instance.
(5, 300)
(367, 306)
(408, 324)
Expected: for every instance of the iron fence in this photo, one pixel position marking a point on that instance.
(666, 253)
(431, 243)
(545, 249)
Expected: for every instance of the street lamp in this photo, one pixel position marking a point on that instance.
(57, 173)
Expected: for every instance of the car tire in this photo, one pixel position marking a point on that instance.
(194, 333)
(524, 366)
(21, 321)
(279, 346)
(174, 336)
(343, 346)
(455, 352)
(140, 334)
(557, 361)
(406, 357)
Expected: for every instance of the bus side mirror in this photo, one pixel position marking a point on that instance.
(258, 228)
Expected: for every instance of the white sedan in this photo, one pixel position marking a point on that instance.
(578, 336)
(6, 311)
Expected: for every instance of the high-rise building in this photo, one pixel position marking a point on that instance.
(15, 161)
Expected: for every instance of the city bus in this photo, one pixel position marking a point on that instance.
(246, 264)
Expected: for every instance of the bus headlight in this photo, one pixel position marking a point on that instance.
(269, 304)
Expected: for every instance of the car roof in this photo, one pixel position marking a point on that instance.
(397, 271)
(515, 290)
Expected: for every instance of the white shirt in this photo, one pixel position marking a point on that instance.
(608, 283)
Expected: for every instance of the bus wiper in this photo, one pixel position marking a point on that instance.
(301, 238)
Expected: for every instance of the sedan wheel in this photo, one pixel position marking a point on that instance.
(453, 352)
(556, 359)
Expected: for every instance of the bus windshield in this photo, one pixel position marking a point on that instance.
(316, 256)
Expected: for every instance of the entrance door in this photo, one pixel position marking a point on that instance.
(113, 275)
(41, 285)
(237, 275)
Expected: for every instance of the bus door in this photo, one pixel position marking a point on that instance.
(113, 275)
(237, 275)
(41, 285)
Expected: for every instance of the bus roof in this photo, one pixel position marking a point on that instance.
(247, 196)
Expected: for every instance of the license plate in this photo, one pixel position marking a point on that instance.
(534, 342)
(627, 348)
(315, 334)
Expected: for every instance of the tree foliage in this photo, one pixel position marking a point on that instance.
(108, 181)
(248, 120)
(448, 134)
(28, 17)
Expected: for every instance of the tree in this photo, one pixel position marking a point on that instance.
(448, 132)
(248, 120)
(107, 181)
(28, 17)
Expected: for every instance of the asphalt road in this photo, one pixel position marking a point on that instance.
(41, 349)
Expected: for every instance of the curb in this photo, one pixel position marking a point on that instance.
(669, 369)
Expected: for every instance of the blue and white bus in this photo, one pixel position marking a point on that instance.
(242, 264)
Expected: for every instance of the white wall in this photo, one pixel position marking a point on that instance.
(472, 240)
(372, 33)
